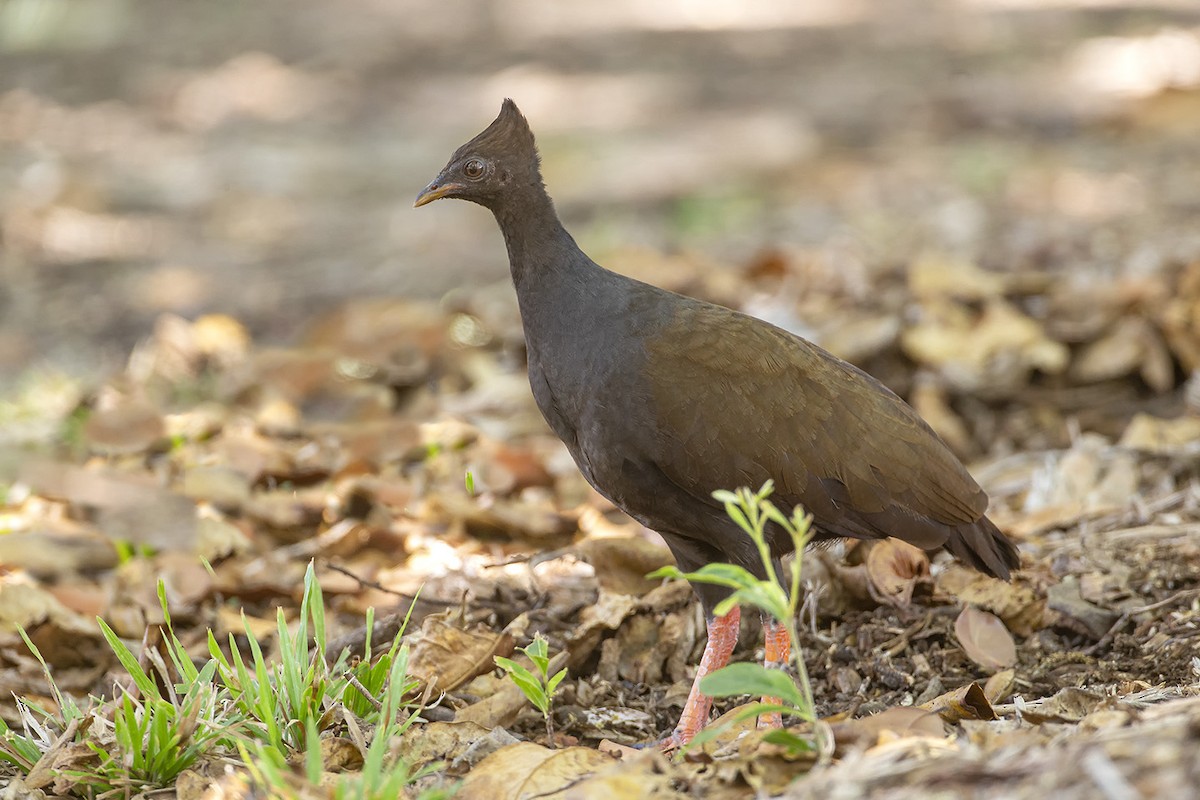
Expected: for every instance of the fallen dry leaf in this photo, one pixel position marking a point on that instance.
(990, 354)
(933, 275)
(1088, 618)
(1013, 601)
(622, 562)
(894, 568)
(984, 639)
(1156, 435)
(965, 702)
(1133, 346)
(1069, 704)
(896, 721)
(445, 655)
(1000, 685)
(460, 744)
(525, 770)
(123, 424)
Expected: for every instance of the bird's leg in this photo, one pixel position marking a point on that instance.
(777, 647)
(722, 638)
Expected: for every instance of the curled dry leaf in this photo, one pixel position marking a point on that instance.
(965, 702)
(858, 338)
(597, 619)
(894, 568)
(984, 639)
(57, 547)
(929, 399)
(339, 754)
(221, 486)
(770, 768)
(1180, 318)
(1000, 685)
(446, 655)
(533, 517)
(395, 339)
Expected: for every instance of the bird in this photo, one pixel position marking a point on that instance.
(663, 399)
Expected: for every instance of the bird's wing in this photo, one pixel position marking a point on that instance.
(776, 406)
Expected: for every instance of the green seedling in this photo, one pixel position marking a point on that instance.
(753, 512)
(178, 710)
(538, 687)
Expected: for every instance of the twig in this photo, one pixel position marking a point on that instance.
(366, 584)
(1133, 612)
(353, 681)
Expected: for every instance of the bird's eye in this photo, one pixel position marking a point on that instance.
(473, 168)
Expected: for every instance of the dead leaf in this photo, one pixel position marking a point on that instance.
(990, 354)
(1067, 705)
(57, 547)
(597, 619)
(984, 639)
(932, 275)
(1131, 346)
(445, 655)
(129, 507)
(857, 338)
(894, 568)
(123, 424)
(965, 702)
(339, 754)
(507, 517)
(1013, 601)
(1000, 685)
(459, 744)
(896, 721)
(622, 562)
(395, 338)
(221, 486)
(1155, 435)
(526, 770)
(929, 400)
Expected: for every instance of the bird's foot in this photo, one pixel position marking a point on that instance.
(722, 637)
(777, 649)
(773, 719)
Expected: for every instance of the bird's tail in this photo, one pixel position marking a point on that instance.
(981, 545)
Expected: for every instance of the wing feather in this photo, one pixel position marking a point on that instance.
(779, 407)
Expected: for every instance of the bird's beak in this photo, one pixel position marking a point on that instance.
(435, 191)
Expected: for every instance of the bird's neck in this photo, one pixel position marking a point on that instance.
(556, 283)
(538, 244)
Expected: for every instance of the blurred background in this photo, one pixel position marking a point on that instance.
(260, 159)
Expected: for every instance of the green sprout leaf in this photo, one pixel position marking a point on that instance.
(745, 678)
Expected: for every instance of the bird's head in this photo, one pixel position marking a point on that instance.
(491, 166)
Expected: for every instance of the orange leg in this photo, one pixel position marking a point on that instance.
(777, 649)
(722, 638)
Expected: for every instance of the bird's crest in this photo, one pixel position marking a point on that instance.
(508, 133)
